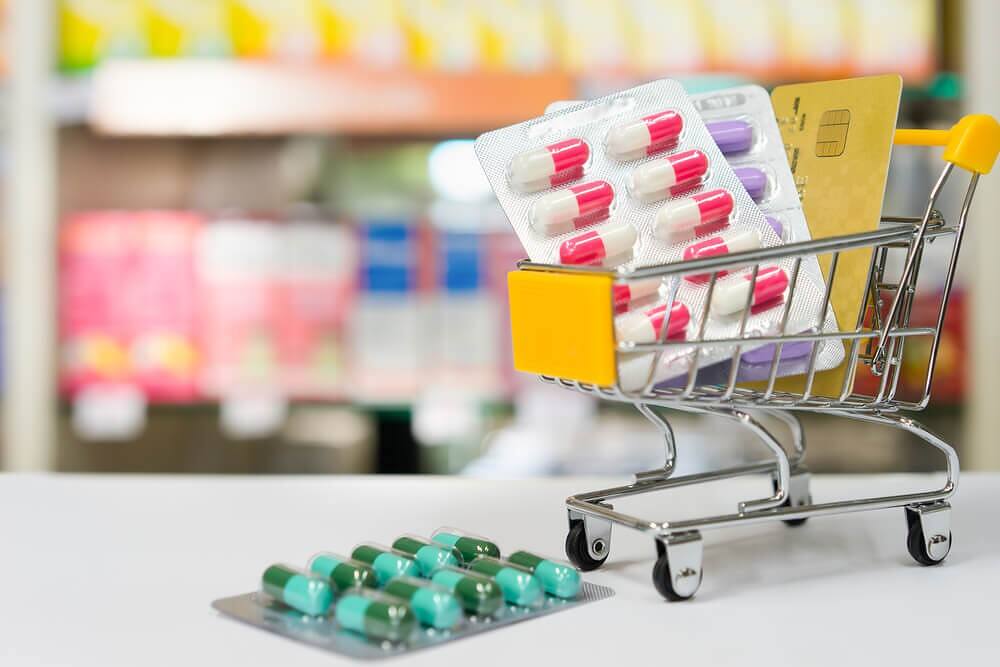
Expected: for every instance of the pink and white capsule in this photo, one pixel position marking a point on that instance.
(625, 294)
(552, 213)
(653, 180)
(644, 135)
(549, 165)
(747, 239)
(730, 296)
(594, 247)
(646, 326)
(683, 215)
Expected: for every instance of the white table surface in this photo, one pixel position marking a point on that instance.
(121, 571)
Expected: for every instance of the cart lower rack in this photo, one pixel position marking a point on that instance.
(544, 296)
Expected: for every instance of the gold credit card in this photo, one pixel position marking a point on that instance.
(838, 137)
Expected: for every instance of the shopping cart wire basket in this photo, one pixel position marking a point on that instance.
(547, 300)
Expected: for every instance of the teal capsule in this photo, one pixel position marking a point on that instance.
(299, 590)
(478, 595)
(518, 585)
(386, 563)
(430, 557)
(557, 578)
(342, 573)
(433, 605)
(469, 546)
(374, 615)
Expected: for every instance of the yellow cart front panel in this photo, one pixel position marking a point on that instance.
(562, 325)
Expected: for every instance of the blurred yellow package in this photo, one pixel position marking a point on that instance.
(814, 37)
(93, 30)
(179, 28)
(442, 34)
(745, 36)
(369, 32)
(685, 51)
(278, 29)
(894, 36)
(591, 35)
(517, 35)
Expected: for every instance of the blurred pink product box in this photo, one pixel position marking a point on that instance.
(93, 260)
(315, 286)
(126, 307)
(161, 318)
(236, 264)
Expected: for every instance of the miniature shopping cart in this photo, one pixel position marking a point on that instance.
(545, 297)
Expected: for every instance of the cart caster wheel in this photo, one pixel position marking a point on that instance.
(579, 554)
(795, 522)
(924, 550)
(678, 570)
(799, 482)
(664, 582)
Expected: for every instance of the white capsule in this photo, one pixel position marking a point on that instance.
(644, 136)
(594, 247)
(628, 293)
(645, 326)
(730, 296)
(576, 206)
(678, 218)
(654, 180)
(547, 166)
(633, 371)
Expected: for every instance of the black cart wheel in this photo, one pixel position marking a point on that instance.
(788, 503)
(577, 551)
(663, 582)
(917, 543)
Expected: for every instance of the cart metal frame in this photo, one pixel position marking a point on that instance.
(876, 340)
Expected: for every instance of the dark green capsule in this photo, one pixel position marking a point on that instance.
(433, 605)
(478, 595)
(430, 556)
(469, 546)
(375, 616)
(386, 562)
(343, 573)
(518, 585)
(299, 590)
(557, 578)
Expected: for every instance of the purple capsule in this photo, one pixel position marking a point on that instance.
(754, 180)
(765, 354)
(776, 225)
(731, 136)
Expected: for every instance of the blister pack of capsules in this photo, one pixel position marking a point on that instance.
(380, 601)
(636, 179)
(742, 123)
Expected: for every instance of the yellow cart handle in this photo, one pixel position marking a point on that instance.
(972, 143)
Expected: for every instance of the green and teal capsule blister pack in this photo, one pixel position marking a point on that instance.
(382, 601)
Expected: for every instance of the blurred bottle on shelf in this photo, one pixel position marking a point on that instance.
(367, 33)
(388, 332)
(187, 28)
(274, 29)
(516, 35)
(94, 30)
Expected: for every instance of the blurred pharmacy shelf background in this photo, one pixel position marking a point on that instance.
(251, 235)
